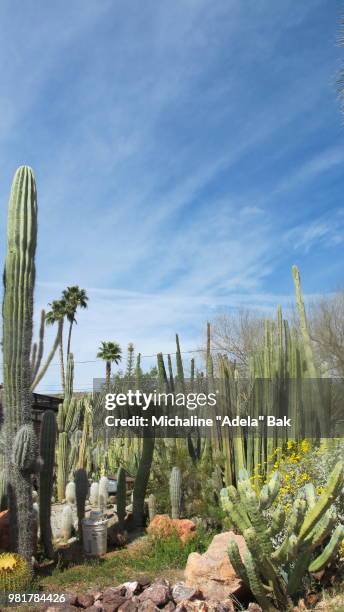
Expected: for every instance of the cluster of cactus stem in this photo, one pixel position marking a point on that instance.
(68, 439)
(47, 452)
(274, 574)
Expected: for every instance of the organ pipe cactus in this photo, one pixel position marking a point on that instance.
(67, 420)
(121, 496)
(274, 575)
(175, 492)
(47, 452)
(19, 281)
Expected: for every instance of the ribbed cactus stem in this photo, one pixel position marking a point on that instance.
(67, 522)
(62, 465)
(70, 493)
(175, 492)
(94, 494)
(151, 506)
(141, 480)
(103, 493)
(19, 280)
(47, 452)
(121, 496)
(81, 490)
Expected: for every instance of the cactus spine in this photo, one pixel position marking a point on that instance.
(175, 492)
(121, 496)
(19, 280)
(47, 452)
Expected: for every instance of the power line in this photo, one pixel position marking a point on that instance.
(57, 363)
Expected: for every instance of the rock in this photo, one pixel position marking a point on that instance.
(131, 588)
(158, 593)
(129, 606)
(254, 607)
(169, 607)
(205, 606)
(212, 572)
(113, 598)
(94, 608)
(163, 526)
(148, 606)
(181, 592)
(144, 581)
(85, 600)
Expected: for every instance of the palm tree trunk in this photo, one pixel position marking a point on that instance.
(69, 337)
(62, 360)
(108, 374)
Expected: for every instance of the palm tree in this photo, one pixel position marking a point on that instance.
(111, 352)
(73, 298)
(57, 314)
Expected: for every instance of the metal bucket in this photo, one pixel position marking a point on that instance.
(94, 534)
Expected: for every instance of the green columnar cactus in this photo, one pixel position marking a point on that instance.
(121, 496)
(67, 420)
(170, 373)
(47, 452)
(180, 368)
(81, 490)
(175, 492)
(62, 465)
(162, 376)
(274, 574)
(19, 280)
(141, 480)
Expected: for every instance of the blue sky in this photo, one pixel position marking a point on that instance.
(186, 153)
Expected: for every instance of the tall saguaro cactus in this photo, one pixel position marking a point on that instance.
(19, 281)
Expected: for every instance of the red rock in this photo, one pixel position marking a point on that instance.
(129, 606)
(212, 572)
(148, 606)
(85, 600)
(205, 606)
(158, 593)
(163, 526)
